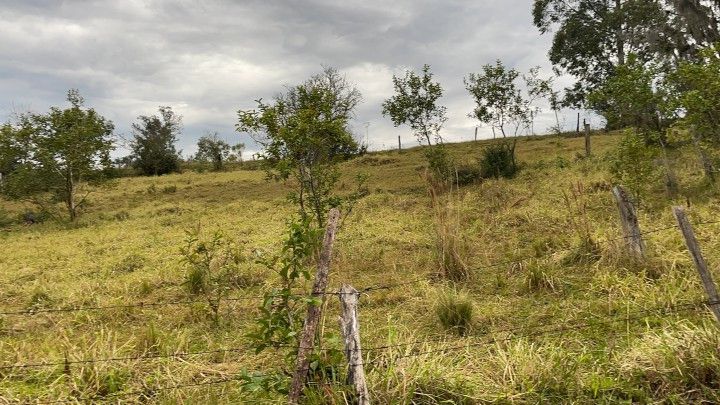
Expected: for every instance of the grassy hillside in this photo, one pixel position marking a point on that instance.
(519, 237)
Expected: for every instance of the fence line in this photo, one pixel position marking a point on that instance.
(541, 331)
(368, 289)
(637, 316)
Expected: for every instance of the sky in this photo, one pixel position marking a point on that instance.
(208, 59)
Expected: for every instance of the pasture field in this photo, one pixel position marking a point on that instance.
(552, 320)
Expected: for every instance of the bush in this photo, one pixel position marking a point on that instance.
(455, 312)
(440, 162)
(498, 160)
(633, 163)
(467, 174)
(213, 263)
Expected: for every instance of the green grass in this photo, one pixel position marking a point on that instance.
(126, 250)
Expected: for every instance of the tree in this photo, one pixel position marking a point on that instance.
(213, 149)
(593, 37)
(694, 89)
(304, 133)
(499, 102)
(153, 143)
(536, 89)
(629, 98)
(56, 157)
(415, 104)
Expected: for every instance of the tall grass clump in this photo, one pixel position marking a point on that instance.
(578, 207)
(682, 362)
(450, 247)
(455, 310)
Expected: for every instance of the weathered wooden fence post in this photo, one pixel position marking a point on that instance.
(307, 338)
(699, 260)
(350, 329)
(587, 140)
(399, 144)
(629, 219)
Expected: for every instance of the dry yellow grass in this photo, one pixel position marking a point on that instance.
(126, 251)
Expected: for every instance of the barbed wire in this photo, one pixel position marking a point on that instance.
(635, 316)
(645, 312)
(150, 391)
(124, 358)
(377, 287)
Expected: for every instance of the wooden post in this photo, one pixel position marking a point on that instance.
(307, 338)
(699, 260)
(475, 141)
(350, 329)
(587, 140)
(399, 144)
(629, 219)
(578, 124)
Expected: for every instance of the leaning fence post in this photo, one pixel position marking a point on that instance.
(629, 219)
(307, 338)
(699, 260)
(350, 329)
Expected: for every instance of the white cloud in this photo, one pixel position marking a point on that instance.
(210, 58)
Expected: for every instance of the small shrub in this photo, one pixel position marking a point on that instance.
(498, 160)
(213, 265)
(129, 264)
(633, 163)
(561, 162)
(440, 163)
(454, 311)
(33, 217)
(467, 174)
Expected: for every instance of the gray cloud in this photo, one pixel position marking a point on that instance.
(208, 59)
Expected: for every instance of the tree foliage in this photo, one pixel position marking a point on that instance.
(153, 144)
(57, 156)
(415, 104)
(304, 133)
(630, 98)
(216, 151)
(592, 37)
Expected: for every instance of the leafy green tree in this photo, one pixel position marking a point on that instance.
(304, 133)
(630, 98)
(153, 144)
(415, 104)
(593, 37)
(214, 150)
(499, 102)
(56, 157)
(694, 91)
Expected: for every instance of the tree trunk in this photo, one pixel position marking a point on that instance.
(619, 40)
(707, 165)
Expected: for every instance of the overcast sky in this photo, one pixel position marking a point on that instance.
(209, 58)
